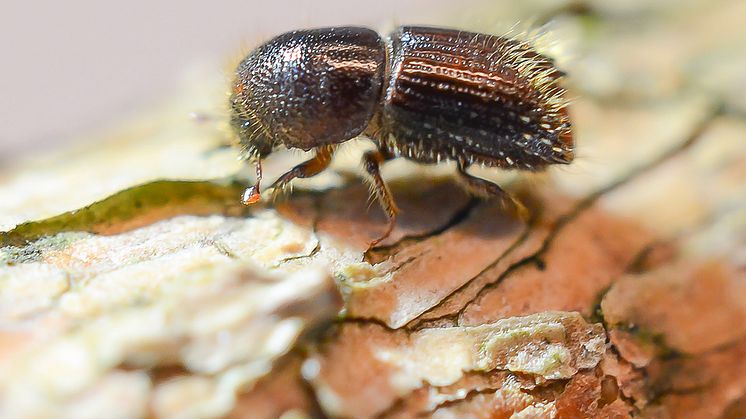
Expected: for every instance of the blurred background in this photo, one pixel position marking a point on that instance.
(72, 67)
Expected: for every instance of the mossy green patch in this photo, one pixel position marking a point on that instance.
(173, 196)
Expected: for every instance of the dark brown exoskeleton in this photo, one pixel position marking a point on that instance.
(426, 94)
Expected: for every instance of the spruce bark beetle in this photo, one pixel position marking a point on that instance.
(426, 94)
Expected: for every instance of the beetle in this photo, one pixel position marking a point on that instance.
(426, 94)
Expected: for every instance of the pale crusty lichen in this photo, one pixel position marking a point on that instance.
(193, 292)
(541, 347)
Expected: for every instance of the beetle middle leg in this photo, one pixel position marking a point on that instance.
(307, 169)
(372, 161)
(483, 188)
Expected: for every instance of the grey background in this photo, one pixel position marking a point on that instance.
(71, 67)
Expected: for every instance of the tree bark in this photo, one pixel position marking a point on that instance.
(132, 280)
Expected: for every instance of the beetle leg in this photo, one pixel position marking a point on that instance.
(307, 169)
(252, 194)
(483, 188)
(372, 161)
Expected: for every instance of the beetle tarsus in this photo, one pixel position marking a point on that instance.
(372, 161)
(389, 228)
(252, 194)
(485, 189)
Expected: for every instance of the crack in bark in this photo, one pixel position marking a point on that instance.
(369, 321)
(379, 254)
(533, 392)
(628, 400)
(406, 262)
(400, 401)
(658, 395)
(314, 231)
(224, 250)
(467, 397)
(309, 255)
(659, 389)
(419, 323)
(454, 317)
(636, 266)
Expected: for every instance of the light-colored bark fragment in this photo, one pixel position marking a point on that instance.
(544, 346)
(228, 329)
(548, 346)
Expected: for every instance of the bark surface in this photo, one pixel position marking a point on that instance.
(133, 283)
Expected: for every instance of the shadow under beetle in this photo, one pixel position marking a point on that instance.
(426, 94)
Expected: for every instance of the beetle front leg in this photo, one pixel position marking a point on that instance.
(252, 194)
(372, 161)
(307, 169)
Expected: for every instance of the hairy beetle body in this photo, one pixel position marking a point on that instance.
(427, 94)
(469, 97)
